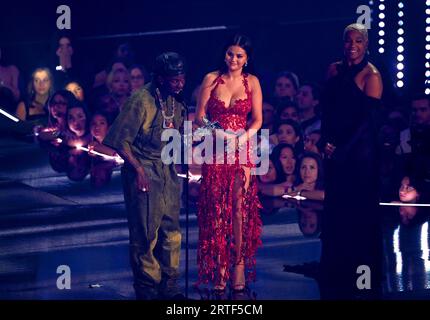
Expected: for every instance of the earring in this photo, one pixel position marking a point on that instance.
(246, 63)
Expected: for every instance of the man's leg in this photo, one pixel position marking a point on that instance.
(144, 219)
(169, 234)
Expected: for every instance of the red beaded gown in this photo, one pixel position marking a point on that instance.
(216, 237)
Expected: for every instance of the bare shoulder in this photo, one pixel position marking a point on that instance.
(372, 72)
(210, 77)
(253, 81)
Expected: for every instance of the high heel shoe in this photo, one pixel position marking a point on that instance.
(219, 288)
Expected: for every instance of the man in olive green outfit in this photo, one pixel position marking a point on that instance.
(151, 188)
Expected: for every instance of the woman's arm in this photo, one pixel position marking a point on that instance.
(373, 85)
(256, 111)
(21, 112)
(273, 190)
(309, 194)
(202, 100)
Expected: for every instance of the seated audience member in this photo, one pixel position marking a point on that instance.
(286, 86)
(101, 168)
(310, 179)
(118, 83)
(414, 147)
(282, 164)
(58, 105)
(77, 90)
(64, 65)
(39, 90)
(289, 132)
(307, 101)
(288, 111)
(138, 77)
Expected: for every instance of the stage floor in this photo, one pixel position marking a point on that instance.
(47, 221)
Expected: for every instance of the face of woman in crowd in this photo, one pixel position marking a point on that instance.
(355, 46)
(137, 79)
(76, 121)
(309, 170)
(41, 83)
(270, 176)
(58, 107)
(77, 90)
(288, 161)
(286, 134)
(120, 85)
(289, 113)
(99, 127)
(407, 193)
(284, 88)
(235, 58)
(64, 47)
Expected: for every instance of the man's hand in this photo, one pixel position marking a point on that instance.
(142, 180)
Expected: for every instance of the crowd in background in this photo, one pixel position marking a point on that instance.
(72, 109)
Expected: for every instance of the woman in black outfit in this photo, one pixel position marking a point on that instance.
(350, 234)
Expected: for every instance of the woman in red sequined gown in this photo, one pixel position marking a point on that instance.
(228, 213)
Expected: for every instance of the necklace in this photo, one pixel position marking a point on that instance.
(167, 119)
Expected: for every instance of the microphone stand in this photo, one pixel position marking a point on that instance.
(187, 209)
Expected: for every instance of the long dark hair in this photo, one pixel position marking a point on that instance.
(242, 41)
(276, 153)
(319, 184)
(78, 104)
(70, 100)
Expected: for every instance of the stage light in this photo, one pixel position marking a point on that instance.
(400, 75)
(427, 91)
(401, 5)
(381, 15)
(400, 57)
(400, 31)
(401, 14)
(381, 41)
(382, 7)
(381, 50)
(400, 84)
(400, 40)
(400, 49)
(400, 22)
(400, 66)
(381, 24)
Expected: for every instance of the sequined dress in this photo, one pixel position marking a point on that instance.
(216, 237)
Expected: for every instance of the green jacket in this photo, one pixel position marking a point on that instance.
(140, 124)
